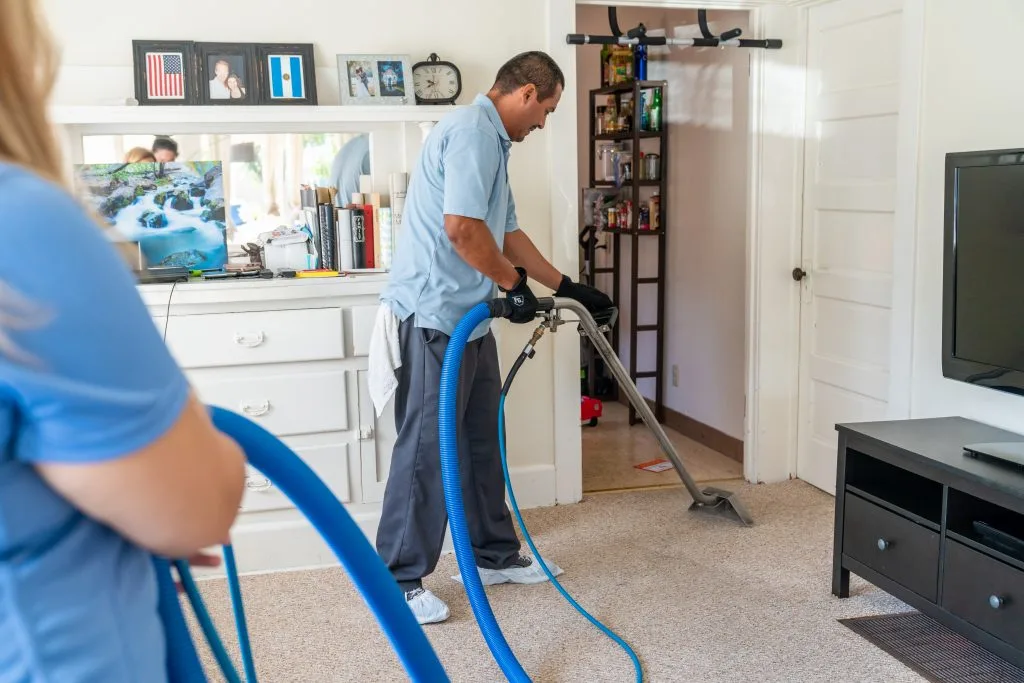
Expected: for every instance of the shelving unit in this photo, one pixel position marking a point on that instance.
(639, 190)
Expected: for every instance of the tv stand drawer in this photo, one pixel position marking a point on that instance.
(984, 591)
(895, 547)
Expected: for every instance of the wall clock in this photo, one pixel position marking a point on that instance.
(436, 81)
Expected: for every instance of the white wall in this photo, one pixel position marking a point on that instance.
(969, 102)
(96, 40)
(707, 111)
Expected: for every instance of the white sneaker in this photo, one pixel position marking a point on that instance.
(524, 570)
(428, 608)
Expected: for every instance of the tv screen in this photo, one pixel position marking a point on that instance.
(983, 312)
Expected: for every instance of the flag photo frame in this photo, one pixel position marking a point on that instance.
(375, 79)
(165, 72)
(287, 73)
(226, 74)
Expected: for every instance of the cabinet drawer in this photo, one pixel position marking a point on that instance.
(294, 403)
(985, 592)
(219, 339)
(330, 464)
(903, 551)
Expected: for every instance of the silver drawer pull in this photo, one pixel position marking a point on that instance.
(996, 602)
(258, 484)
(251, 340)
(256, 410)
(884, 544)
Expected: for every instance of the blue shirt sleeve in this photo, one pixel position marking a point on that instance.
(470, 160)
(511, 220)
(98, 381)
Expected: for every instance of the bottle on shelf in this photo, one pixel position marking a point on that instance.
(599, 121)
(645, 110)
(611, 116)
(654, 212)
(655, 115)
(606, 53)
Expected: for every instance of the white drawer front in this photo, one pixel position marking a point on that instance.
(330, 464)
(363, 320)
(293, 403)
(219, 339)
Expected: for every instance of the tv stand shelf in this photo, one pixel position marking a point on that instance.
(938, 529)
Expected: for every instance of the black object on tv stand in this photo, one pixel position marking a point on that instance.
(922, 519)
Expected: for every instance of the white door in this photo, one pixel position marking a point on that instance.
(853, 68)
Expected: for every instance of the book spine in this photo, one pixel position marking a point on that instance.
(371, 239)
(343, 222)
(327, 237)
(398, 184)
(386, 243)
(358, 239)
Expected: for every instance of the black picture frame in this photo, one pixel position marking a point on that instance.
(174, 86)
(277, 87)
(241, 66)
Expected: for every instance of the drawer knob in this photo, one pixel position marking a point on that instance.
(256, 410)
(249, 340)
(996, 602)
(257, 483)
(884, 544)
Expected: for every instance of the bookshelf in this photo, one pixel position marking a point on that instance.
(635, 217)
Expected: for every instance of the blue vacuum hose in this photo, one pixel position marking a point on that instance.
(448, 434)
(328, 516)
(448, 428)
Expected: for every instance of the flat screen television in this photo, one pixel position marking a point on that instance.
(983, 278)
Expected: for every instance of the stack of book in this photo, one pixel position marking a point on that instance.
(357, 233)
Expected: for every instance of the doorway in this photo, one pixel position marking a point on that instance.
(706, 114)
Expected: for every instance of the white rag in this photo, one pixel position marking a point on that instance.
(385, 358)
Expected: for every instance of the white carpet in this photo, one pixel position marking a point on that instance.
(698, 598)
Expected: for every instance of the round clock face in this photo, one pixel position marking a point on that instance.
(433, 82)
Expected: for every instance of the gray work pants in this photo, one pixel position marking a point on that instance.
(413, 519)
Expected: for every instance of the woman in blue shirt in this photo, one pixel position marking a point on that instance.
(106, 456)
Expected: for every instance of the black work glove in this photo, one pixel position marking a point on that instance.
(592, 298)
(521, 299)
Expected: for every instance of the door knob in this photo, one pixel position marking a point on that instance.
(884, 544)
(799, 274)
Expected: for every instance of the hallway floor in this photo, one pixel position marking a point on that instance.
(612, 448)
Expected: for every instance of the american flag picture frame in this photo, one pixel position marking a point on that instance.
(165, 72)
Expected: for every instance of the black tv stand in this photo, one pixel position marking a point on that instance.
(940, 529)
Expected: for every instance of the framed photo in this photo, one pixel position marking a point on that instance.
(227, 73)
(165, 72)
(287, 73)
(375, 79)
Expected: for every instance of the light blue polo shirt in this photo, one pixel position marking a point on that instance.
(462, 170)
(78, 602)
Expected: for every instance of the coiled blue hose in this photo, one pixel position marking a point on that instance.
(448, 435)
(328, 516)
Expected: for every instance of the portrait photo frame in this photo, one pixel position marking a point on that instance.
(227, 74)
(287, 73)
(165, 72)
(375, 79)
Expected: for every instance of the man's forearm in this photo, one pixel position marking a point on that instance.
(521, 251)
(474, 242)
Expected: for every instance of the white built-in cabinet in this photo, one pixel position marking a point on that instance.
(291, 355)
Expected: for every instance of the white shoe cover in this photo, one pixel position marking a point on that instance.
(526, 575)
(428, 608)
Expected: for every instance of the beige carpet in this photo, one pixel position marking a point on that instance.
(612, 448)
(698, 598)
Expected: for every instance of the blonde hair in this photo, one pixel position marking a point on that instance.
(139, 154)
(28, 71)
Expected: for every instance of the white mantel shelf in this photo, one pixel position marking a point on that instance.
(123, 119)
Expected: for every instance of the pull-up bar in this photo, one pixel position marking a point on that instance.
(584, 39)
(638, 36)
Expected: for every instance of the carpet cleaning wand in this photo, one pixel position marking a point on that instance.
(708, 500)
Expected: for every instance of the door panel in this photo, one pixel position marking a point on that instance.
(853, 72)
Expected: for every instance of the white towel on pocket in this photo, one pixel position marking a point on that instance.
(385, 358)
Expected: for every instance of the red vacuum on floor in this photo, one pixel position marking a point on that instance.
(590, 410)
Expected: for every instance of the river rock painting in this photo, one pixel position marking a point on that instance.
(174, 210)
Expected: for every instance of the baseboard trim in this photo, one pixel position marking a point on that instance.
(716, 440)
